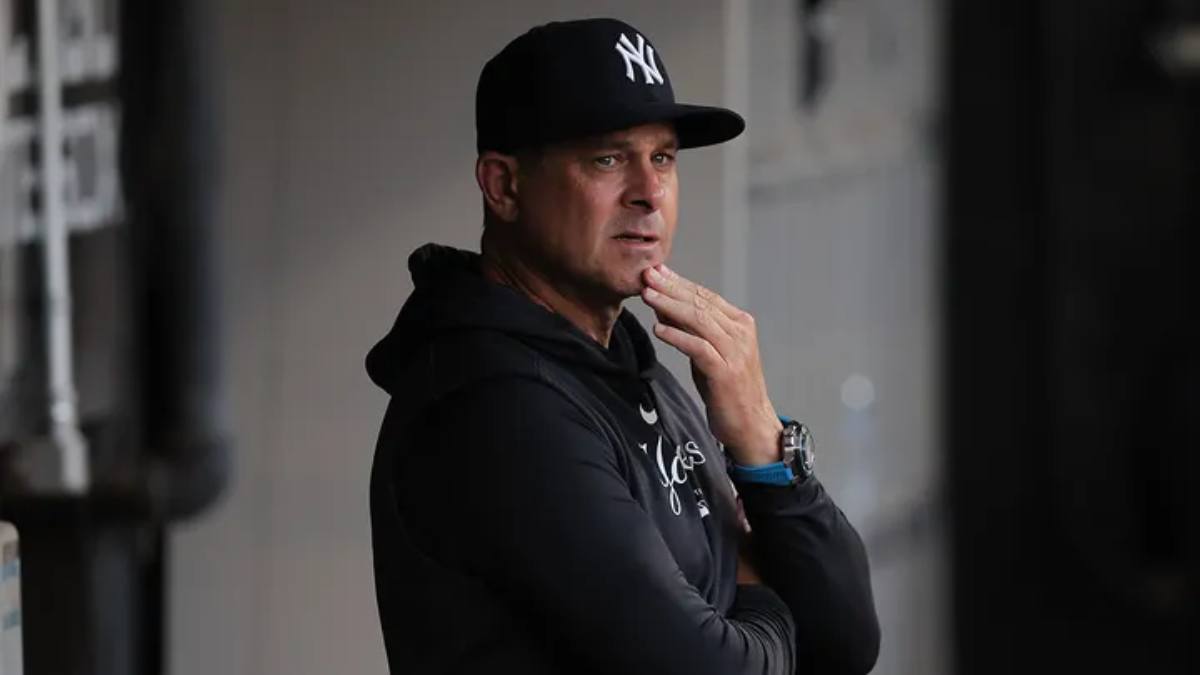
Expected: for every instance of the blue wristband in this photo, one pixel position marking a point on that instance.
(778, 473)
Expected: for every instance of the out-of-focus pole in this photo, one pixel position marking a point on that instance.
(71, 444)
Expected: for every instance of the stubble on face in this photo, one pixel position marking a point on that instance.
(595, 214)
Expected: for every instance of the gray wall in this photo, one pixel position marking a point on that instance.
(842, 247)
(349, 141)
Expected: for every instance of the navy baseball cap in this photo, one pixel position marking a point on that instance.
(573, 79)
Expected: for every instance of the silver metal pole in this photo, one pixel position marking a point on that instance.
(71, 444)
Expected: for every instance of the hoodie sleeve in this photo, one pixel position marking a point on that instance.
(809, 553)
(548, 521)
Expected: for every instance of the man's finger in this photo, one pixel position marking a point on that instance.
(700, 351)
(691, 294)
(703, 322)
(685, 285)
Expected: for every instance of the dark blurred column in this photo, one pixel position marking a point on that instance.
(1073, 176)
(94, 566)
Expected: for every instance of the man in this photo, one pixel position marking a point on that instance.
(545, 497)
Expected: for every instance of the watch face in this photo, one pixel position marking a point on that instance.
(806, 453)
(807, 460)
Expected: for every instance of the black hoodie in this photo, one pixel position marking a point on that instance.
(541, 504)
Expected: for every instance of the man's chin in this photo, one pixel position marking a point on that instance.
(627, 285)
(630, 288)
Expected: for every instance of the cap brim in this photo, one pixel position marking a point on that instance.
(699, 125)
(696, 125)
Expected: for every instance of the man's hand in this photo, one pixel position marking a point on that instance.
(722, 343)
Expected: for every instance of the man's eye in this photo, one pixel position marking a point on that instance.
(606, 161)
(663, 158)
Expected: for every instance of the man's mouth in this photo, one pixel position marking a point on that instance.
(637, 238)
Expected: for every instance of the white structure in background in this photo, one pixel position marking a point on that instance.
(11, 652)
(91, 194)
(842, 272)
(87, 51)
(78, 187)
(87, 47)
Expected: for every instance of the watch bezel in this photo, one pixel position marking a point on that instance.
(798, 452)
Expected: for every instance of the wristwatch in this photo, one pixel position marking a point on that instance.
(799, 459)
(798, 447)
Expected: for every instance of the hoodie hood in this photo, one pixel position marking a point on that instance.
(451, 296)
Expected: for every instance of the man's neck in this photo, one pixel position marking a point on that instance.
(595, 321)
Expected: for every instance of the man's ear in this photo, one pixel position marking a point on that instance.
(496, 174)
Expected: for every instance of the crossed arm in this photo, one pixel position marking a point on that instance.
(556, 531)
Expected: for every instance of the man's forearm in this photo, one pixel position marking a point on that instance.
(806, 551)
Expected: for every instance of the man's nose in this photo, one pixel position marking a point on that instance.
(645, 189)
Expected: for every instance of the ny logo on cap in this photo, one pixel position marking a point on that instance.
(643, 55)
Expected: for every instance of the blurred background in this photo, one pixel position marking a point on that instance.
(965, 230)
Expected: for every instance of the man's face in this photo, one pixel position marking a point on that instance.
(593, 214)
